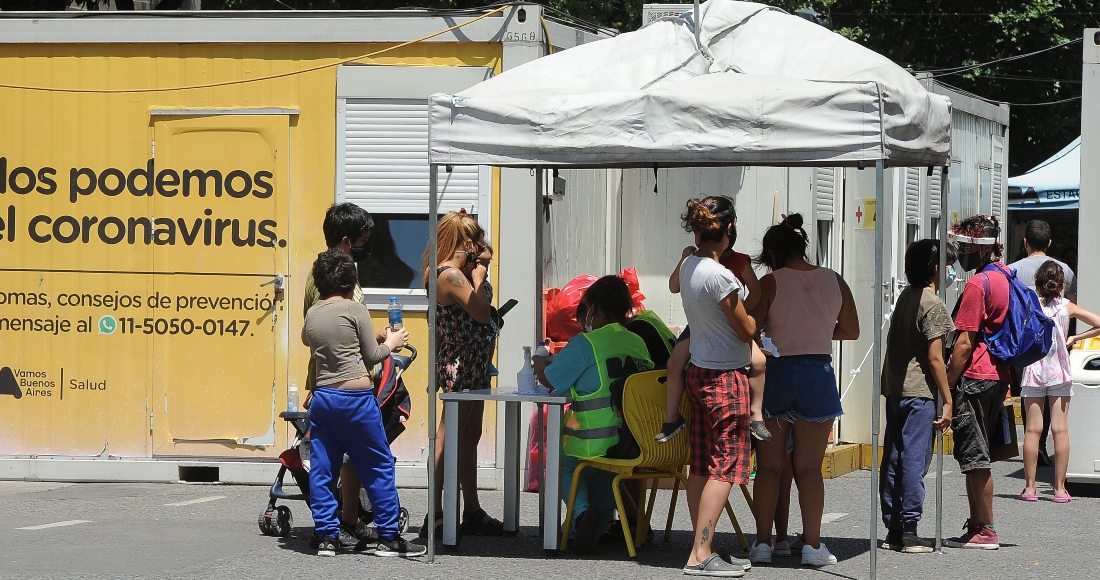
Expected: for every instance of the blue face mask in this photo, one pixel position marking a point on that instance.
(952, 275)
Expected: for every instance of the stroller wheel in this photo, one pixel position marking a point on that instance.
(403, 521)
(281, 522)
(264, 521)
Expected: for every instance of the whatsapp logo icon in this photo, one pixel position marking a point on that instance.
(107, 324)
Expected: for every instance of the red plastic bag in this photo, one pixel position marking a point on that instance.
(561, 312)
(534, 448)
(630, 276)
(561, 323)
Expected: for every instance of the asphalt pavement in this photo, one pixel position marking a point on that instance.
(102, 530)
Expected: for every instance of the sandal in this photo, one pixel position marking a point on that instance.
(438, 526)
(1064, 499)
(715, 566)
(479, 523)
(1025, 497)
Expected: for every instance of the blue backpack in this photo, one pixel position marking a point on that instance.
(1027, 333)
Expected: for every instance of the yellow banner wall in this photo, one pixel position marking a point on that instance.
(133, 245)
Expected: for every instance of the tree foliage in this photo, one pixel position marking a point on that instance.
(925, 35)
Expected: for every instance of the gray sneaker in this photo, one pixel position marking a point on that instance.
(327, 546)
(669, 430)
(715, 566)
(359, 537)
(399, 548)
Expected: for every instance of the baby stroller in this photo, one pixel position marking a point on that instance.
(396, 407)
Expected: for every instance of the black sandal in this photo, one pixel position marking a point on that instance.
(479, 523)
(438, 526)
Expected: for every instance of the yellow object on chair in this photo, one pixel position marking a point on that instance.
(644, 411)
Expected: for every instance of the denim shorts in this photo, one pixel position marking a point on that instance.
(801, 387)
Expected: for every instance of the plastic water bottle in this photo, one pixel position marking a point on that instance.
(292, 398)
(542, 351)
(394, 311)
(525, 378)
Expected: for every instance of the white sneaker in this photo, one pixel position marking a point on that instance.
(760, 554)
(819, 557)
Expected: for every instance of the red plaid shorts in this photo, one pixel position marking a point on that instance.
(719, 425)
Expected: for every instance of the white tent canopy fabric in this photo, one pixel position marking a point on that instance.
(765, 88)
(768, 88)
(1053, 184)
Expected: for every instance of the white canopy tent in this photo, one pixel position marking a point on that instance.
(762, 88)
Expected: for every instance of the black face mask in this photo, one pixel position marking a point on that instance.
(360, 253)
(970, 261)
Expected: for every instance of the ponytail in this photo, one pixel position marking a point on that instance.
(783, 242)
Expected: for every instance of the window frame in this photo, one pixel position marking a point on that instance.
(383, 82)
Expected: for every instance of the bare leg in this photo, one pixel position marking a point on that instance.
(674, 388)
(980, 487)
(467, 454)
(1059, 427)
(783, 503)
(756, 383)
(710, 498)
(972, 495)
(469, 434)
(1032, 429)
(810, 440)
(349, 494)
(771, 459)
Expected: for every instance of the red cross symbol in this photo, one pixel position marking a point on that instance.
(859, 213)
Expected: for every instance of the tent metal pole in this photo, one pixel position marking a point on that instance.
(697, 26)
(433, 258)
(945, 187)
(876, 368)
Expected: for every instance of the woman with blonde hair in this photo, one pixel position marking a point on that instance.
(462, 309)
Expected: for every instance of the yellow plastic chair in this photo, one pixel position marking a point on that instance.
(644, 411)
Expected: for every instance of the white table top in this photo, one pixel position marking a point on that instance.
(507, 393)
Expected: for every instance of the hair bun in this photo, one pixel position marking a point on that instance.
(793, 221)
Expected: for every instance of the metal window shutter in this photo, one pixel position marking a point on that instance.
(936, 191)
(825, 192)
(997, 193)
(912, 195)
(386, 160)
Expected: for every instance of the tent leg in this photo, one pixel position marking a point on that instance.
(945, 186)
(877, 366)
(433, 251)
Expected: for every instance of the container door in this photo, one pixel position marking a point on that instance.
(219, 328)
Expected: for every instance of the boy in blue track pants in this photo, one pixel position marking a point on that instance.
(913, 372)
(344, 415)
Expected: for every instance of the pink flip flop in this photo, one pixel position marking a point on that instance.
(1065, 499)
(1031, 497)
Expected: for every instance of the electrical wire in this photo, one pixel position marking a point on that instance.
(1025, 78)
(1044, 104)
(255, 79)
(948, 14)
(970, 67)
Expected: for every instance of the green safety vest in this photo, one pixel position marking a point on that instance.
(655, 321)
(592, 422)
